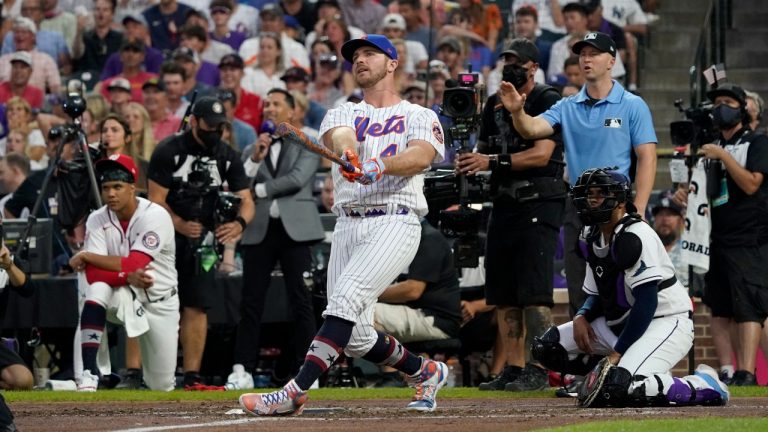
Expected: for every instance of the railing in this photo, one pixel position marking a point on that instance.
(711, 47)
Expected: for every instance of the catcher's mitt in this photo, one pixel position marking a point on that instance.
(590, 392)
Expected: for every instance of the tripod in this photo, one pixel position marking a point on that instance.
(74, 106)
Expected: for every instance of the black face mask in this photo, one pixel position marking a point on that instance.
(725, 116)
(209, 138)
(515, 75)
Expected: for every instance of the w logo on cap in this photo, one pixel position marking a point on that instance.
(590, 36)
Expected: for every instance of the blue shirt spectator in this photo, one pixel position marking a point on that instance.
(51, 43)
(245, 135)
(164, 29)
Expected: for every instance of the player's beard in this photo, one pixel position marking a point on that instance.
(373, 78)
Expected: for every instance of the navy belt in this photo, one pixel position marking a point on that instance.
(373, 210)
(164, 298)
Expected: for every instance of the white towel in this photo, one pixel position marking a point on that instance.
(127, 310)
(698, 224)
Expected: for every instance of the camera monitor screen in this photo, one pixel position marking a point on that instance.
(40, 242)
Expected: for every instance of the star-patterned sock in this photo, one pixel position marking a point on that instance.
(325, 349)
(92, 322)
(389, 351)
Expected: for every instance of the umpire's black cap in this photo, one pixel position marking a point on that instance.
(600, 41)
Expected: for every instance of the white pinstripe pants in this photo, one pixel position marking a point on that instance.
(367, 255)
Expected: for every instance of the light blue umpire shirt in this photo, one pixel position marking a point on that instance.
(604, 134)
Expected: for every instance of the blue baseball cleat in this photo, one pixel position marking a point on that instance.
(428, 381)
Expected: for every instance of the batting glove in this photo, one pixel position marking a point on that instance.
(351, 157)
(372, 169)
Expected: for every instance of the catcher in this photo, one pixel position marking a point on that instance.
(637, 317)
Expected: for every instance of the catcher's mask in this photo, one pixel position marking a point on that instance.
(600, 183)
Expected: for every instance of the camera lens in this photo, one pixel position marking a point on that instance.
(459, 102)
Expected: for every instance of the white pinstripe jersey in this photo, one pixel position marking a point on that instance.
(150, 231)
(385, 132)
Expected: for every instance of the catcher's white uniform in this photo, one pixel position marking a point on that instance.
(151, 314)
(370, 252)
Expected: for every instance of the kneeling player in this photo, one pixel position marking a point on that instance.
(637, 315)
(128, 261)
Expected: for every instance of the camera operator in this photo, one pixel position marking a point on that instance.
(529, 194)
(737, 281)
(186, 174)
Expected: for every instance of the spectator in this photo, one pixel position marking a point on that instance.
(326, 10)
(49, 42)
(142, 142)
(221, 12)
(248, 108)
(416, 93)
(201, 75)
(273, 21)
(164, 122)
(570, 90)
(669, 222)
(19, 114)
(416, 29)
(166, 18)
(60, 21)
(550, 17)
(297, 79)
(135, 29)
(45, 72)
(628, 15)
(15, 141)
(95, 46)
(326, 195)
(589, 142)
(241, 134)
(738, 234)
(755, 110)
(245, 19)
(115, 135)
(36, 151)
(479, 56)
(286, 222)
(119, 94)
(450, 53)
(527, 26)
(483, 19)
(393, 27)
(14, 169)
(265, 73)
(193, 219)
(14, 373)
(196, 37)
(97, 110)
(525, 220)
(402, 79)
(132, 58)
(365, 14)
(174, 78)
(302, 10)
(324, 88)
(596, 22)
(18, 85)
(576, 20)
(572, 72)
(299, 114)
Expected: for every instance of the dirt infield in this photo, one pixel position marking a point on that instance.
(452, 415)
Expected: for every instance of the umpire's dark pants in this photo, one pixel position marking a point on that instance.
(575, 265)
(258, 262)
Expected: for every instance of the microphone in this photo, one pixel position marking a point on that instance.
(268, 126)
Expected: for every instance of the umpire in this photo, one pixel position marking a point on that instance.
(186, 173)
(528, 203)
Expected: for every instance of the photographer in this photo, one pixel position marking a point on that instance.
(737, 281)
(186, 174)
(526, 180)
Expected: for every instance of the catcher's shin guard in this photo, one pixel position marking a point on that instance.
(547, 350)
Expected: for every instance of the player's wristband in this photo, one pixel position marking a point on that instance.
(241, 221)
(493, 162)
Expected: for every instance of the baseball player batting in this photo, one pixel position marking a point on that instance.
(377, 232)
(127, 268)
(637, 316)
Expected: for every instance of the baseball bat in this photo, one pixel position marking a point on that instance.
(294, 135)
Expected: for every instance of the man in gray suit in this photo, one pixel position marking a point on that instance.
(285, 225)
